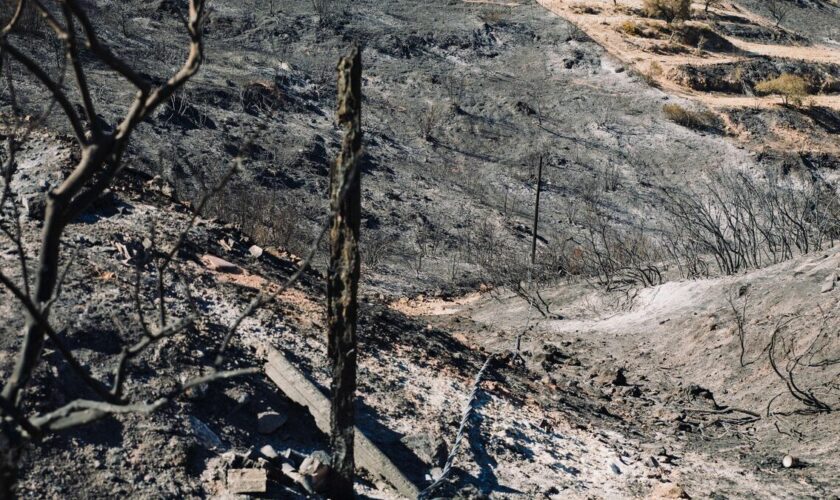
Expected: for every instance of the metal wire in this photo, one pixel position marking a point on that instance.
(469, 409)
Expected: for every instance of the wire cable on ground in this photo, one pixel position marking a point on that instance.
(469, 409)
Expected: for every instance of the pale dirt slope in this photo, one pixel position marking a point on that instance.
(683, 334)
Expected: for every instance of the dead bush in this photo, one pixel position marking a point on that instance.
(668, 48)
(329, 10)
(586, 9)
(779, 9)
(792, 88)
(262, 97)
(696, 120)
(376, 246)
(669, 10)
(617, 258)
(431, 120)
(830, 86)
(742, 223)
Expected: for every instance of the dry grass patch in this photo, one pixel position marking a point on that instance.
(695, 120)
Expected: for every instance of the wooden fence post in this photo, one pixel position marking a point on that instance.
(343, 275)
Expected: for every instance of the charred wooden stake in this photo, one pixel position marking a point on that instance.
(536, 216)
(343, 277)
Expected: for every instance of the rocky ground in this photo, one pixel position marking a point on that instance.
(632, 394)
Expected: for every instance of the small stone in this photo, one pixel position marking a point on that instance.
(246, 481)
(316, 468)
(255, 251)
(434, 473)
(269, 422)
(789, 461)
(268, 451)
(429, 448)
(615, 469)
(829, 284)
(220, 265)
(205, 435)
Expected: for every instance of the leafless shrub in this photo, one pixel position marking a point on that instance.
(610, 177)
(511, 271)
(455, 85)
(100, 161)
(376, 246)
(617, 259)
(779, 9)
(430, 120)
(652, 74)
(744, 224)
(262, 98)
(280, 221)
(793, 351)
(738, 299)
(329, 11)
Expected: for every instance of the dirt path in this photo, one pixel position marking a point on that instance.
(677, 345)
(601, 20)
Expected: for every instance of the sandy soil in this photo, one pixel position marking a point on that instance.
(603, 28)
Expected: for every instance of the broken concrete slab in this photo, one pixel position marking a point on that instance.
(368, 456)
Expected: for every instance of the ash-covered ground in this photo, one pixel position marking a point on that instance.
(627, 394)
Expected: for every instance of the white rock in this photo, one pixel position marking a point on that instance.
(788, 461)
(220, 265)
(268, 451)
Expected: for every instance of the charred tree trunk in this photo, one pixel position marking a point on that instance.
(343, 276)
